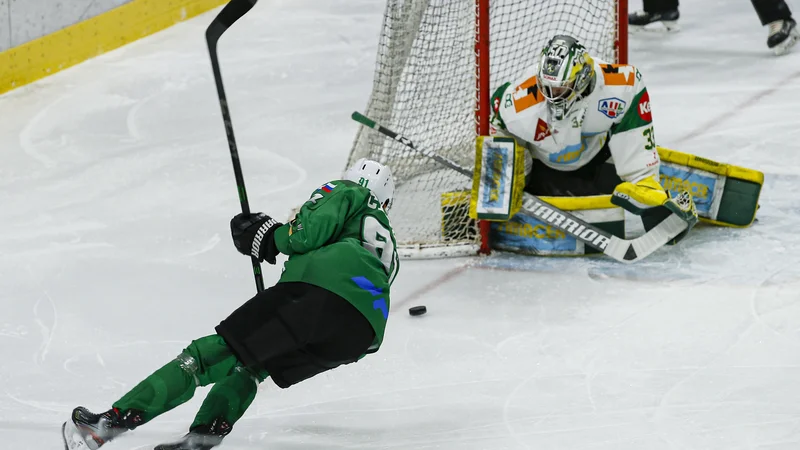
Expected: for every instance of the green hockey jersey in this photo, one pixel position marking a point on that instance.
(341, 240)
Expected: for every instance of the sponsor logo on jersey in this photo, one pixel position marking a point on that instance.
(611, 107)
(542, 131)
(496, 104)
(572, 153)
(644, 107)
(328, 187)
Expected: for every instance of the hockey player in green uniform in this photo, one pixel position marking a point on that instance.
(329, 308)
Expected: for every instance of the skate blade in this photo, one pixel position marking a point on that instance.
(72, 437)
(664, 26)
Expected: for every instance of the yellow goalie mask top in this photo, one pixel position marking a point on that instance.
(565, 73)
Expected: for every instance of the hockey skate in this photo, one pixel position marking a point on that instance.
(88, 431)
(783, 34)
(660, 21)
(203, 437)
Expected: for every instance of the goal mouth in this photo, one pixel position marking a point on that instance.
(438, 62)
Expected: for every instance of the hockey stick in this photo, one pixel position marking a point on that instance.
(232, 12)
(623, 250)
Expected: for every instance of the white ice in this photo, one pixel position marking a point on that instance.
(115, 195)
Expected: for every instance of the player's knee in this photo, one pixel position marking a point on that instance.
(188, 363)
(209, 348)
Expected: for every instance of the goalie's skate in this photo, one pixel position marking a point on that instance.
(88, 431)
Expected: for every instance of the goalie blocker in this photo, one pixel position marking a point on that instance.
(725, 195)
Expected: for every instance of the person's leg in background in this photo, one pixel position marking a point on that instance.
(656, 15)
(783, 32)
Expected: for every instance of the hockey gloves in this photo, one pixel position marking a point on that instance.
(253, 235)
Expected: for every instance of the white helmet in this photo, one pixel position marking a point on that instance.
(565, 74)
(374, 176)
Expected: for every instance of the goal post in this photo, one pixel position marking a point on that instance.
(438, 62)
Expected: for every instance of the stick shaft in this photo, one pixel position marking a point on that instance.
(232, 12)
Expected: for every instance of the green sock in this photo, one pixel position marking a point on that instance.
(228, 399)
(165, 389)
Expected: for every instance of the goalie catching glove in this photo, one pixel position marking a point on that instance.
(253, 236)
(653, 204)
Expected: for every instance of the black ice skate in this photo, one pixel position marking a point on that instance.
(88, 431)
(783, 34)
(202, 437)
(660, 21)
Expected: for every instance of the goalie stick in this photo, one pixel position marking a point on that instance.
(232, 12)
(623, 250)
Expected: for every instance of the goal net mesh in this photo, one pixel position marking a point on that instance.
(425, 89)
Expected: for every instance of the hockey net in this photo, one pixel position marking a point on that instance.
(425, 88)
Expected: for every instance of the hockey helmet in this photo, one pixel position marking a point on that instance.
(374, 176)
(565, 73)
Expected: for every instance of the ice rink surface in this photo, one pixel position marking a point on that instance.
(116, 191)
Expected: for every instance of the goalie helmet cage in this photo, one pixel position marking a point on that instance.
(438, 63)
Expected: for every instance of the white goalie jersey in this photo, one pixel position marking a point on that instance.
(616, 113)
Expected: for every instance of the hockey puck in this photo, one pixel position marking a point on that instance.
(417, 310)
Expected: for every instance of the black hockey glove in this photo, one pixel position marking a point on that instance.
(253, 235)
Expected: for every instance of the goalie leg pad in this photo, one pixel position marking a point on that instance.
(528, 235)
(724, 194)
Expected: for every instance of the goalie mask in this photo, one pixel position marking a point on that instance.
(374, 176)
(565, 74)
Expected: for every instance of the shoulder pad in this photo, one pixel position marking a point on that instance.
(620, 74)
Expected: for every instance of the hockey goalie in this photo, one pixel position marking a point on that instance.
(587, 137)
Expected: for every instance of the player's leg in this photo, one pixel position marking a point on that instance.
(204, 361)
(783, 32)
(225, 404)
(292, 331)
(297, 330)
(656, 15)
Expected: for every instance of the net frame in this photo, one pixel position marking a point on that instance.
(401, 70)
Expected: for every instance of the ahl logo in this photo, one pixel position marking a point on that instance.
(612, 107)
(542, 131)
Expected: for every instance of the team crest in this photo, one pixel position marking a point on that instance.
(611, 107)
(542, 131)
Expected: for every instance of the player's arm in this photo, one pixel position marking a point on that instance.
(632, 136)
(320, 219)
(633, 148)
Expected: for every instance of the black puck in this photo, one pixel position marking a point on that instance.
(417, 310)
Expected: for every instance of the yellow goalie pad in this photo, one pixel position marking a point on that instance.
(498, 179)
(526, 234)
(724, 194)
